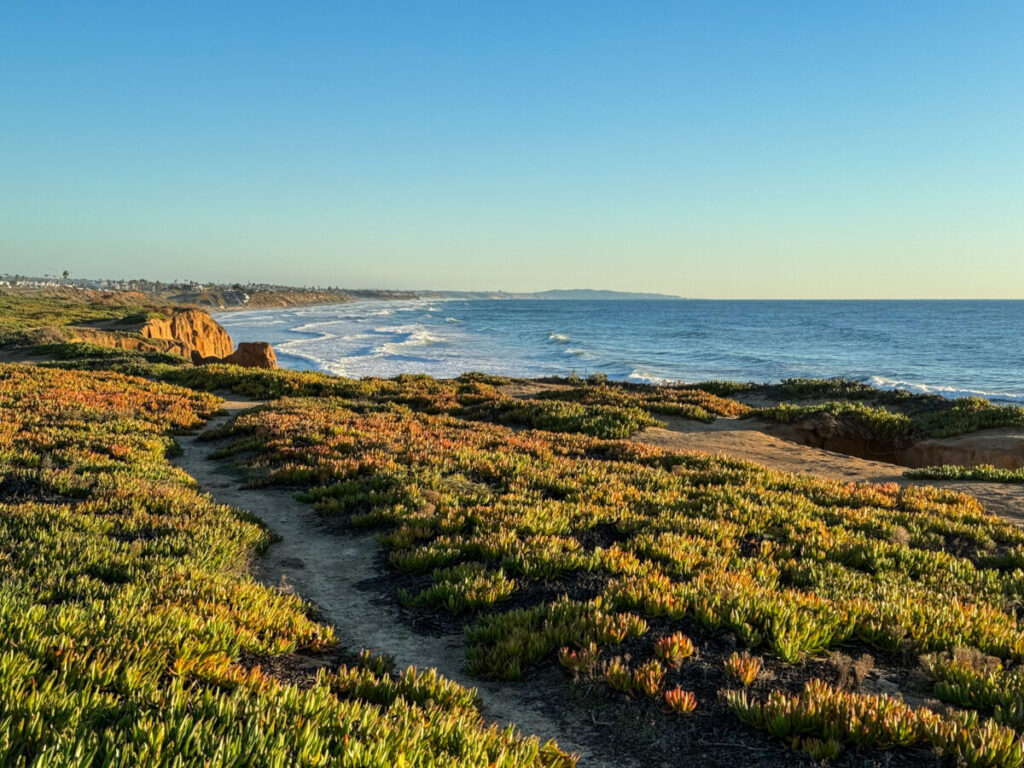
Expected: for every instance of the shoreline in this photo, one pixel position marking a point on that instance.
(551, 344)
(561, 338)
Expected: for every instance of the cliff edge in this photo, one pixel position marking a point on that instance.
(191, 333)
(194, 329)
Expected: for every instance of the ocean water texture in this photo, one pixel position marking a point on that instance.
(954, 348)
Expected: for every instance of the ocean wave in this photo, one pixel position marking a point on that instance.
(413, 335)
(285, 352)
(254, 322)
(645, 377)
(310, 327)
(652, 342)
(946, 391)
(403, 337)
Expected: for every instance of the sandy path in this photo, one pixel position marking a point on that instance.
(752, 440)
(340, 571)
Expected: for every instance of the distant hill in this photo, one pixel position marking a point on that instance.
(576, 294)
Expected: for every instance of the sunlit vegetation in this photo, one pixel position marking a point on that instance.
(601, 408)
(743, 667)
(875, 422)
(982, 472)
(969, 414)
(724, 388)
(718, 387)
(821, 719)
(625, 565)
(685, 401)
(28, 317)
(557, 416)
(131, 632)
(846, 389)
(968, 678)
(894, 428)
(87, 356)
(693, 585)
(469, 397)
(681, 702)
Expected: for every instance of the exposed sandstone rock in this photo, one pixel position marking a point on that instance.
(253, 354)
(250, 354)
(190, 333)
(194, 330)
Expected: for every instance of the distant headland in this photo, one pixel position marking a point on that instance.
(228, 296)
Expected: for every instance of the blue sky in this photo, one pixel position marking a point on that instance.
(756, 149)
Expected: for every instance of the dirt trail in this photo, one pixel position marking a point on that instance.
(340, 572)
(751, 440)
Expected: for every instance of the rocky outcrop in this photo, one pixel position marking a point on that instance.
(194, 330)
(190, 333)
(250, 354)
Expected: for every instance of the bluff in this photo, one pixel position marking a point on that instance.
(191, 333)
(194, 329)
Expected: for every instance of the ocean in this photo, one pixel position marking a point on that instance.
(953, 348)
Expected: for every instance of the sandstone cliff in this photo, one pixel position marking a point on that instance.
(190, 333)
(250, 354)
(192, 328)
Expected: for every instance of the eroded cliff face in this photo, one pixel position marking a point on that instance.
(194, 330)
(191, 333)
(1002, 448)
(250, 354)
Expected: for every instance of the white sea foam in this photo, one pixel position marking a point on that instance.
(384, 338)
(415, 335)
(946, 391)
(644, 377)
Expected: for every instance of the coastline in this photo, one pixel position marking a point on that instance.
(906, 347)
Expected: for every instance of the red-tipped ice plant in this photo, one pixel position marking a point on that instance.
(674, 649)
(680, 701)
(743, 667)
(647, 678)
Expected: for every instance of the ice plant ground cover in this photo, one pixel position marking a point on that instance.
(599, 554)
(982, 472)
(887, 418)
(131, 633)
(682, 587)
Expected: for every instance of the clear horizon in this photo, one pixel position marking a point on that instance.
(712, 150)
